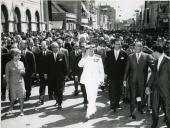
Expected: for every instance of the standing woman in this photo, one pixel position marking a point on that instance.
(15, 83)
(92, 76)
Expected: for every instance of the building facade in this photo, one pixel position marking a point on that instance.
(106, 17)
(22, 15)
(71, 14)
(157, 15)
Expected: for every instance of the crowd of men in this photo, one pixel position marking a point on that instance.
(51, 59)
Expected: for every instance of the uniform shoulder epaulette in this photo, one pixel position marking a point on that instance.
(96, 55)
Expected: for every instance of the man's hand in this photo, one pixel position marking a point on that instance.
(105, 77)
(4, 77)
(124, 83)
(45, 76)
(147, 91)
(37, 75)
(66, 77)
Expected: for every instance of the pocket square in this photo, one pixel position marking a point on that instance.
(60, 59)
(122, 58)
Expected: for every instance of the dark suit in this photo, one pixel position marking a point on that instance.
(30, 67)
(74, 59)
(68, 47)
(76, 70)
(66, 54)
(35, 50)
(57, 70)
(42, 64)
(161, 89)
(137, 73)
(115, 71)
(5, 58)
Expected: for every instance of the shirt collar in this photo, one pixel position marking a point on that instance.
(161, 57)
(117, 50)
(139, 54)
(55, 52)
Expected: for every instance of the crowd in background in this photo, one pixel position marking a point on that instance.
(39, 48)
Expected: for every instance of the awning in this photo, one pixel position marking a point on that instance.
(126, 25)
(86, 26)
(57, 24)
(84, 7)
(57, 8)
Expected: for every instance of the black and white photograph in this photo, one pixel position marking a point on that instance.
(85, 63)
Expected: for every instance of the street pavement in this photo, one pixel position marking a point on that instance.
(72, 115)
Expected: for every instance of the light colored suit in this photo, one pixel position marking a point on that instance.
(92, 76)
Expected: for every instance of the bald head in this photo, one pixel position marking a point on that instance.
(60, 42)
(76, 46)
(55, 47)
(138, 47)
(44, 45)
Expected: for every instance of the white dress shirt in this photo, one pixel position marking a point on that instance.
(160, 60)
(138, 56)
(44, 53)
(116, 52)
(55, 55)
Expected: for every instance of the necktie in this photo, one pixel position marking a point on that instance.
(116, 55)
(55, 55)
(76, 53)
(44, 53)
(137, 57)
(156, 63)
(23, 52)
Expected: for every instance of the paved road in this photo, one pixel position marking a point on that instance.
(72, 115)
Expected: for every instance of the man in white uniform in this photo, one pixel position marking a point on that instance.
(92, 76)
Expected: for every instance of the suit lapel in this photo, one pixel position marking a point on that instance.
(53, 57)
(140, 58)
(134, 56)
(114, 55)
(162, 63)
(119, 56)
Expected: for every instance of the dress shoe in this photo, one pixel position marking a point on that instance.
(16, 101)
(85, 106)
(165, 119)
(141, 111)
(102, 88)
(56, 104)
(133, 117)
(27, 98)
(126, 100)
(41, 102)
(113, 108)
(3, 98)
(59, 107)
(76, 92)
(118, 105)
(86, 119)
(50, 98)
(154, 125)
(21, 114)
